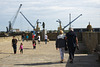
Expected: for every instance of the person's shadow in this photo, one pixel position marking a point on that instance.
(28, 48)
(5, 53)
(83, 61)
(36, 64)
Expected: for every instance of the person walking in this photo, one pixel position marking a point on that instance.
(14, 44)
(72, 42)
(46, 38)
(33, 36)
(23, 37)
(27, 37)
(38, 39)
(60, 45)
(34, 44)
(21, 48)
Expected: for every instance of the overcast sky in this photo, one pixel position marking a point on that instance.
(49, 11)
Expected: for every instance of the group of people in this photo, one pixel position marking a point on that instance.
(14, 45)
(69, 40)
(23, 37)
(14, 42)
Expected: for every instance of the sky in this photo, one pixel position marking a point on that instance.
(48, 11)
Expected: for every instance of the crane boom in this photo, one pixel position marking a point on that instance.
(16, 15)
(11, 23)
(27, 20)
(72, 21)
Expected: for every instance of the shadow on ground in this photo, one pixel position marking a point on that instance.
(5, 53)
(28, 48)
(36, 64)
(84, 61)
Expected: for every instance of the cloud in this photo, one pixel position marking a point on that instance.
(93, 1)
(51, 10)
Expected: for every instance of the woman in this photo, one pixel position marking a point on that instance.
(60, 44)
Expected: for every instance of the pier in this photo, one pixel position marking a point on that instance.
(45, 55)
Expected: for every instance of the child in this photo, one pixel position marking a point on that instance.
(21, 48)
(34, 44)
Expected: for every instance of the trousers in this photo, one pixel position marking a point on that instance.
(62, 50)
(71, 52)
(14, 48)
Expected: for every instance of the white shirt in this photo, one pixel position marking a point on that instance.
(46, 37)
(61, 36)
(39, 38)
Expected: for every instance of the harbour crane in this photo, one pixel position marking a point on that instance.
(60, 27)
(72, 21)
(37, 27)
(11, 23)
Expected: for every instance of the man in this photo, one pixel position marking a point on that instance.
(14, 44)
(60, 44)
(72, 42)
(23, 36)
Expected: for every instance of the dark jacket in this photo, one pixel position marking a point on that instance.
(60, 42)
(71, 39)
(14, 41)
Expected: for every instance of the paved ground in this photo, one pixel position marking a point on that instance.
(45, 55)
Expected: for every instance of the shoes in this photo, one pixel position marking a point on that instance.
(61, 61)
(71, 61)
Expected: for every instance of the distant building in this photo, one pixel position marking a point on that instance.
(85, 29)
(89, 28)
(16, 30)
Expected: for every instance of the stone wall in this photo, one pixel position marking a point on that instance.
(91, 40)
(52, 36)
(79, 35)
(99, 38)
(4, 39)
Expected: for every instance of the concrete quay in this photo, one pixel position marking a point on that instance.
(45, 55)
